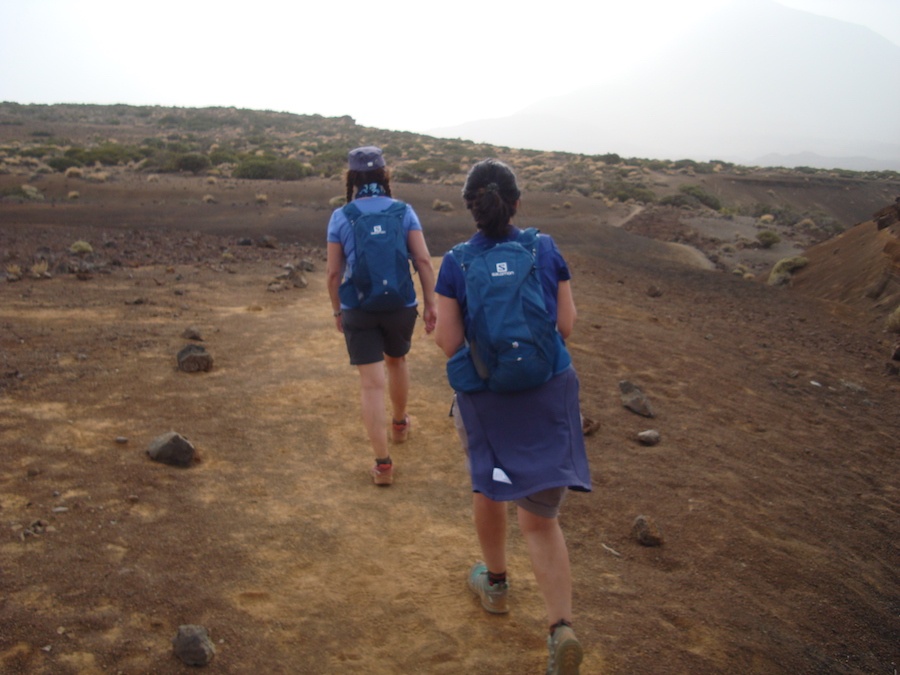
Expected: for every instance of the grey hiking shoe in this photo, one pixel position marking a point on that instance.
(493, 598)
(564, 652)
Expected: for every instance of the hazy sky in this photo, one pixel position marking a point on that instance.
(407, 65)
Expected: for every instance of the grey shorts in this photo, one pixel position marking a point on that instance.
(371, 335)
(545, 503)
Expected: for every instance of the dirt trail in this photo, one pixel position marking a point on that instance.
(277, 541)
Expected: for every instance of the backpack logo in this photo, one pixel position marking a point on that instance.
(380, 278)
(502, 270)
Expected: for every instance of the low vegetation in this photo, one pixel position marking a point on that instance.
(266, 145)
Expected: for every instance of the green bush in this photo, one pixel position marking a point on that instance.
(781, 272)
(767, 238)
(701, 196)
(193, 162)
(271, 168)
(680, 200)
(624, 191)
(62, 163)
(222, 156)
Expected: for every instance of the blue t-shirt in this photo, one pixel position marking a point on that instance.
(552, 268)
(340, 231)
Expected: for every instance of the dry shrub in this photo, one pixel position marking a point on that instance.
(441, 206)
(211, 180)
(892, 325)
(153, 178)
(781, 273)
(74, 172)
(336, 202)
(98, 177)
(81, 246)
(262, 199)
(13, 273)
(39, 270)
(209, 199)
(766, 219)
(73, 194)
(32, 193)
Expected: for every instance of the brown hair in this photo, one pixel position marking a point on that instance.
(356, 179)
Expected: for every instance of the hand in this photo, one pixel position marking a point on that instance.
(429, 315)
(339, 323)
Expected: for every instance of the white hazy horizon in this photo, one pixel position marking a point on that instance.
(403, 66)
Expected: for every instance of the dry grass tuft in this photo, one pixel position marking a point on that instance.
(892, 325)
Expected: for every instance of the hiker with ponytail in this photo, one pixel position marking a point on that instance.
(504, 309)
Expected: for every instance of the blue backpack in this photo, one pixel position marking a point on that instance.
(512, 342)
(380, 280)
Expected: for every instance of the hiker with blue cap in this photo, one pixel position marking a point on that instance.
(371, 242)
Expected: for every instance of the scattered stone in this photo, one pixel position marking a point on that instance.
(649, 437)
(895, 353)
(194, 358)
(171, 448)
(654, 292)
(192, 333)
(646, 532)
(245, 241)
(193, 646)
(296, 277)
(121, 440)
(136, 301)
(589, 426)
(633, 399)
(267, 241)
(307, 265)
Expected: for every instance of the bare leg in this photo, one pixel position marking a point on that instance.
(550, 562)
(372, 384)
(398, 385)
(490, 524)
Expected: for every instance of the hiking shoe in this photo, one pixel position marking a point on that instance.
(383, 474)
(564, 652)
(493, 598)
(400, 430)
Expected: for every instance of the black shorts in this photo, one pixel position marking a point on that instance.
(371, 335)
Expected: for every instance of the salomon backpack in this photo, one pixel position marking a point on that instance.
(380, 279)
(512, 340)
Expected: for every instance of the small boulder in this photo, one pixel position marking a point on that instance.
(192, 333)
(633, 399)
(193, 646)
(646, 532)
(171, 448)
(194, 358)
(649, 437)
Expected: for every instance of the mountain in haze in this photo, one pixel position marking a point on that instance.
(754, 83)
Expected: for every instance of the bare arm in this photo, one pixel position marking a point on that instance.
(565, 313)
(449, 334)
(334, 268)
(415, 240)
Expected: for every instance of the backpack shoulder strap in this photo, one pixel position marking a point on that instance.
(528, 237)
(464, 254)
(351, 211)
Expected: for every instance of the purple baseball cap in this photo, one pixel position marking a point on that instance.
(367, 158)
